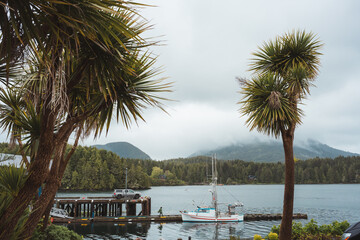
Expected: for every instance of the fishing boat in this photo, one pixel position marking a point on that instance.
(212, 213)
(59, 213)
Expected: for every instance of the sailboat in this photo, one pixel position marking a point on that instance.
(212, 213)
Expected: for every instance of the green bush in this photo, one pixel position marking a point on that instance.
(257, 237)
(339, 228)
(311, 227)
(275, 229)
(325, 229)
(312, 231)
(234, 238)
(273, 236)
(55, 232)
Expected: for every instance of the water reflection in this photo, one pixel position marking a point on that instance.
(213, 230)
(159, 230)
(323, 203)
(111, 230)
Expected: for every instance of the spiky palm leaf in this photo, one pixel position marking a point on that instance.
(287, 65)
(11, 106)
(12, 178)
(87, 61)
(285, 70)
(20, 119)
(104, 69)
(265, 101)
(294, 49)
(48, 29)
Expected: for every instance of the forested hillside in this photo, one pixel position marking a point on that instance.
(274, 152)
(93, 169)
(197, 170)
(124, 150)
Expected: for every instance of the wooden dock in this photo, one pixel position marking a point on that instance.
(109, 209)
(271, 217)
(92, 207)
(168, 218)
(128, 219)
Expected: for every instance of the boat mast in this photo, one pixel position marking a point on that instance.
(214, 183)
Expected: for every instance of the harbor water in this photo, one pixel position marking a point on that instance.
(323, 203)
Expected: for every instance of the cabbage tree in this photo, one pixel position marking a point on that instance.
(68, 68)
(284, 70)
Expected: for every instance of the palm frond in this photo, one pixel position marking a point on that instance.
(20, 119)
(257, 103)
(294, 49)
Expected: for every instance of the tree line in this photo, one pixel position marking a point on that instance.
(93, 169)
(197, 170)
(90, 168)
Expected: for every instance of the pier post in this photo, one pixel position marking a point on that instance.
(148, 206)
(145, 205)
(143, 208)
(104, 207)
(120, 209)
(92, 209)
(130, 209)
(75, 208)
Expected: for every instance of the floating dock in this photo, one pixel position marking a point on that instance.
(167, 218)
(127, 219)
(109, 209)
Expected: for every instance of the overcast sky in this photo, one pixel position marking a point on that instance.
(208, 43)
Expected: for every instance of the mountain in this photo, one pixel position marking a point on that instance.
(273, 151)
(124, 150)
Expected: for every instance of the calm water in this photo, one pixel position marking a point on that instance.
(324, 203)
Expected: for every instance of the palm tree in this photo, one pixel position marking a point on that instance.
(12, 178)
(85, 62)
(284, 70)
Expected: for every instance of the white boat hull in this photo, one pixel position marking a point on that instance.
(212, 214)
(60, 213)
(193, 217)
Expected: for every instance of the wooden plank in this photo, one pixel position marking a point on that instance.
(168, 218)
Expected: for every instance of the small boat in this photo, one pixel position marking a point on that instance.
(60, 213)
(212, 213)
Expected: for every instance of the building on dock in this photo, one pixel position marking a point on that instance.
(103, 206)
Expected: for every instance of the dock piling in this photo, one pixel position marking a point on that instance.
(103, 206)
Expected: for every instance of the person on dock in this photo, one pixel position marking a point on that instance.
(160, 212)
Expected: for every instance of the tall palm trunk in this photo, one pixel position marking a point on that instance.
(16, 208)
(286, 222)
(46, 199)
(38, 171)
(44, 203)
(47, 214)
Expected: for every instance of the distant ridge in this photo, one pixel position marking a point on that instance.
(273, 152)
(124, 150)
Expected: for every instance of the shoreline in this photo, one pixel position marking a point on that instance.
(244, 184)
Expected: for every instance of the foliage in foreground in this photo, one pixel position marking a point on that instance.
(55, 232)
(12, 179)
(312, 231)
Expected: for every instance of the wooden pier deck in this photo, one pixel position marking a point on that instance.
(168, 218)
(109, 209)
(92, 207)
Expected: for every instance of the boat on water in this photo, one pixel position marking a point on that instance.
(60, 213)
(212, 213)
